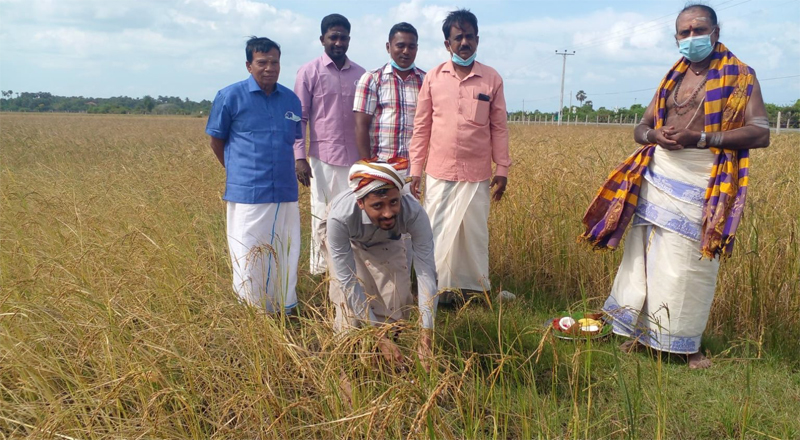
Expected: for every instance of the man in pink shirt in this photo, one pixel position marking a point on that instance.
(459, 130)
(326, 87)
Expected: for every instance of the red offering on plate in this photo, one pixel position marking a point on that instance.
(564, 324)
(579, 325)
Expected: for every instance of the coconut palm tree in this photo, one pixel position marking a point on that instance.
(581, 96)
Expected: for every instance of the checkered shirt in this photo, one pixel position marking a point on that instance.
(392, 102)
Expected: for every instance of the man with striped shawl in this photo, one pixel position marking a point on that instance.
(682, 192)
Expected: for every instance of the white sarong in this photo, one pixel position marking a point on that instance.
(663, 291)
(327, 183)
(264, 243)
(459, 215)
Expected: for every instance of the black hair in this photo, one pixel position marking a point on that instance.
(334, 20)
(705, 8)
(402, 27)
(380, 192)
(259, 44)
(459, 17)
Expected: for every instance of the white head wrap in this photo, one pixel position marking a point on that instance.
(367, 176)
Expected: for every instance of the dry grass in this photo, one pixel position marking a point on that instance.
(117, 319)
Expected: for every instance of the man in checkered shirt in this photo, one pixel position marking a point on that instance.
(386, 99)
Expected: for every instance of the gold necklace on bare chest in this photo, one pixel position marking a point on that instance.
(681, 108)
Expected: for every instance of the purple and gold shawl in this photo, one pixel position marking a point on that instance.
(728, 89)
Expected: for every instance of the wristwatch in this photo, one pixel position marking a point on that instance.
(702, 142)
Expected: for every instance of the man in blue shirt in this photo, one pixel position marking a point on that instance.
(253, 125)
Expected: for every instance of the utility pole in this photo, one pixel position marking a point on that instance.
(563, 71)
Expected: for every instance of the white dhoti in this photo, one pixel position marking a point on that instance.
(327, 182)
(459, 215)
(383, 271)
(264, 243)
(663, 291)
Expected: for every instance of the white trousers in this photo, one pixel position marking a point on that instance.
(328, 182)
(459, 215)
(264, 243)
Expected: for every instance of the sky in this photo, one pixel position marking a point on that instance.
(192, 48)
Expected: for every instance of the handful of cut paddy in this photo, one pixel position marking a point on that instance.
(587, 325)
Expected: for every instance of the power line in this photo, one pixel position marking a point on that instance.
(648, 29)
(622, 33)
(621, 93)
(592, 94)
(626, 33)
(652, 24)
(539, 99)
(777, 77)
(654, 88)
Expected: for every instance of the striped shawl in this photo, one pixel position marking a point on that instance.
(727, 92)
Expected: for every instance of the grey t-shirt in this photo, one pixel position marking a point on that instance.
(347, 222)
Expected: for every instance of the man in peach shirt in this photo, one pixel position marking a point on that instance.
(459, 130)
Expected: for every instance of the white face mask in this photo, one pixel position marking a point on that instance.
(461, 61)
(397, 66)
(696, 49)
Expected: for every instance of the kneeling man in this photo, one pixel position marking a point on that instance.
(361, 237)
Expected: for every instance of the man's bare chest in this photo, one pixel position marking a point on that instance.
(685, 102)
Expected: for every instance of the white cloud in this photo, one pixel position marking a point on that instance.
(194, 47)
(187, 21)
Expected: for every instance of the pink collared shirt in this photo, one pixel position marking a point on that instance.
(326, 95)
(456, 129)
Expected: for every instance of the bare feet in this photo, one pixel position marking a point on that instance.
(631, 346)
(697, 361)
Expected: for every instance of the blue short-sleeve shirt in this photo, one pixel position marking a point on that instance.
(259, 131)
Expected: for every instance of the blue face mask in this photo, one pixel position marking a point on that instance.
(462, 62)
(402, 69)
(696, 49)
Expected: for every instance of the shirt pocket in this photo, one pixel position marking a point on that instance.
(479, 109)
(289, 129)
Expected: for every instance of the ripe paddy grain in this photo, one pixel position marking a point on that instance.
(117, 318)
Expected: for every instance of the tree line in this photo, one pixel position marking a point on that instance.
(47, 102)
(173, 105)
